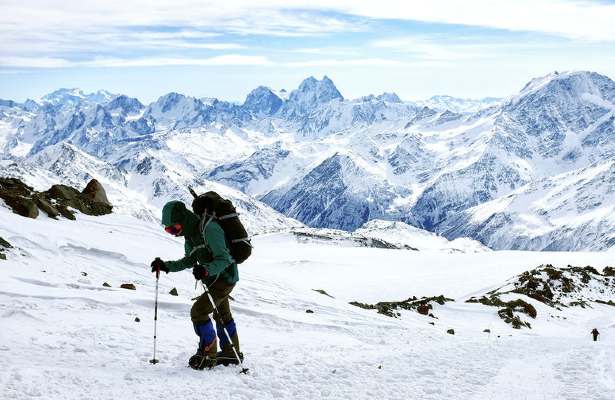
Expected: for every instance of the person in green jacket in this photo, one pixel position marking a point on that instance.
(207, 254)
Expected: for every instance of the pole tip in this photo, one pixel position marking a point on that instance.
(154, 361)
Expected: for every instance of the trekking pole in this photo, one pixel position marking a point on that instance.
(154, 360)
(228, 337)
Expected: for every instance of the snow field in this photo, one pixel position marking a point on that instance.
(64, 336)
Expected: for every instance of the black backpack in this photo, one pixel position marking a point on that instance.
(211, 206)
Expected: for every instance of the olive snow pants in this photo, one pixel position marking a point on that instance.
(202, 307)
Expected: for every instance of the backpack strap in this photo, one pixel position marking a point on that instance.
(205, 221)
(228, 216)
(194, 250)
(246, 240)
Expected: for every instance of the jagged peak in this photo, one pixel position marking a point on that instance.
(126, 103)
(324, 90)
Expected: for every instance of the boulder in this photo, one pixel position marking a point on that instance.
(58, 200)
(451, 331)
(105, 284)
(128, 286)
(63, 192)
(423, 309)
(66, 196)
(21, 206)
(47, 208)
(173, 292)
(95, 192)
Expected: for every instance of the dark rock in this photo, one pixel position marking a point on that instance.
(423, 309)
(47, 208)
(608, 271)
(2, 255)
(451, 331)
(84, 273)
(508, 308)
(432, 323)
(63, 192)
(128, 286)
(70, 197)
(5, 244)
(309, 311)
(96, 192)
(487, 331)
(58, 200)
(105, 284)
(173, 292)
(321, 291)
(21, 206)
(137, 319)
(389, 308)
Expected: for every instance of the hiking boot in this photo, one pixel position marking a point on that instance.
(228, 357)
(201, 361)
(205, 356)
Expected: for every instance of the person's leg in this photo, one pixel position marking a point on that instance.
(224, 319)
(204, 328)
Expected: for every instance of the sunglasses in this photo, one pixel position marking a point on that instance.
(174, 229)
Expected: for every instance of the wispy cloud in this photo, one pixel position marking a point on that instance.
(353, 62)
(34, 62)
(229, 59)
(577, 19)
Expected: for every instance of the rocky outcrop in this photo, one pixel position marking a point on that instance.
(555, 287)
(96, 192)
(58, 200)
(3, 246)
(389, 308)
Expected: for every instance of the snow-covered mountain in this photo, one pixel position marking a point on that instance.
(458, 105)
(337, 163)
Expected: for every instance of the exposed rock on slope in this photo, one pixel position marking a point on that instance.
(554, 287)
(58, 200)
(3, 246)
(390, 308)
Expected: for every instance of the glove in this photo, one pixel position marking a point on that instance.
(158, 265)
(199, 272)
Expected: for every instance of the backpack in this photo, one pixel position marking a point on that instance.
(211, 206)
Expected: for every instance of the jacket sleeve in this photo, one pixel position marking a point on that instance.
(183, 263)
(214, 237)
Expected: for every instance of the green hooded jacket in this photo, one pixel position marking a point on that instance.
(207, 248)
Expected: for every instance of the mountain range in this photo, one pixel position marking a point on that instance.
(532, 171)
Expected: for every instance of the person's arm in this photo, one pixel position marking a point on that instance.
(187, 261)
(214, 237)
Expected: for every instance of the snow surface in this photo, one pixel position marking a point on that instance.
(64, 336)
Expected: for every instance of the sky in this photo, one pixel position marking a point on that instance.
(224, 49)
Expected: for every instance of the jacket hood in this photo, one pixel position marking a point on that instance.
(175, 212)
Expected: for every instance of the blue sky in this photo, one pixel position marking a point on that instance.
(474, 48)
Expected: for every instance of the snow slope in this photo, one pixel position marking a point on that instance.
(66, 336)
(404, 234)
